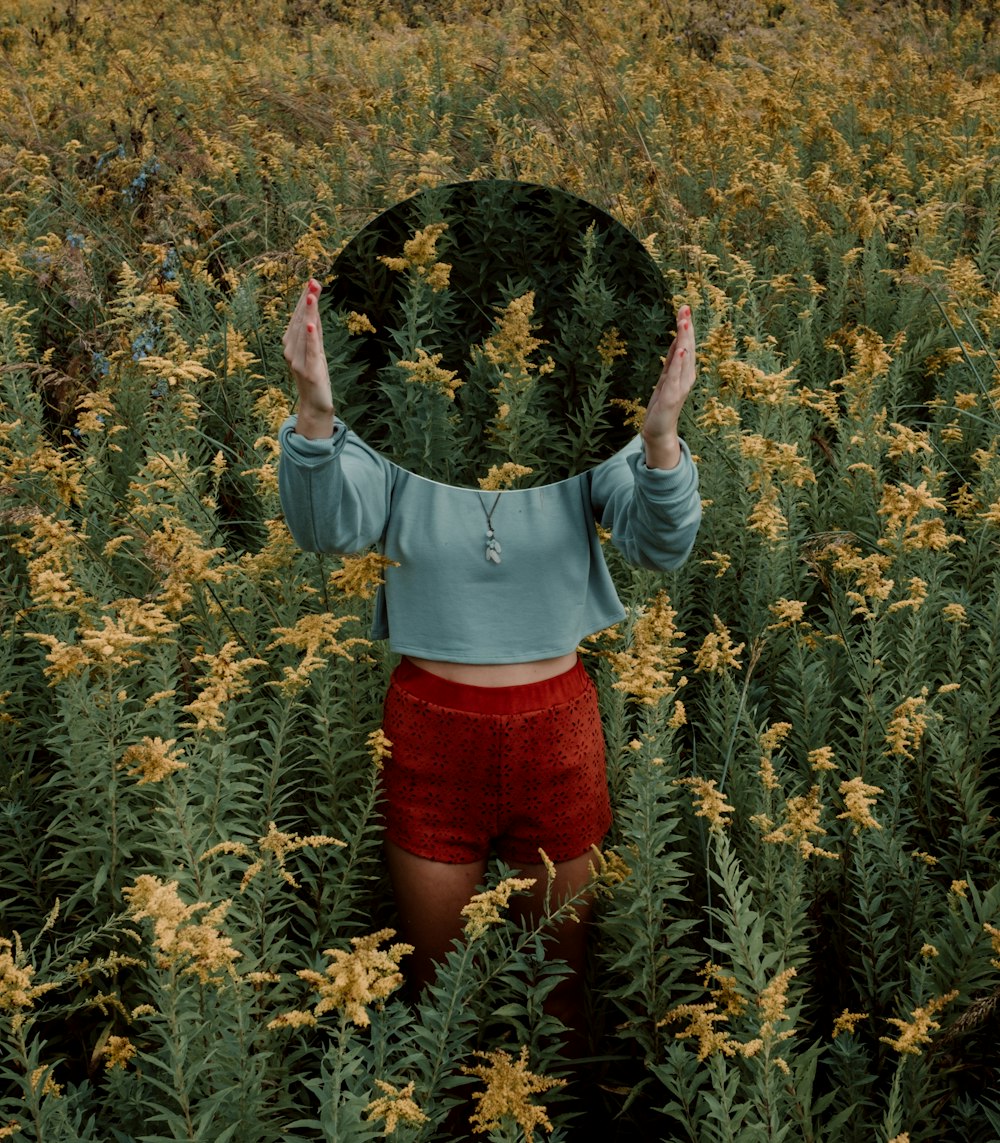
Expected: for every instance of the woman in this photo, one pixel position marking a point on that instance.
(496, 737)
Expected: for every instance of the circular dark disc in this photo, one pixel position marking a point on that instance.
(599, 307)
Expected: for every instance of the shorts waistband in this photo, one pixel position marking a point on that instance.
(518, 699)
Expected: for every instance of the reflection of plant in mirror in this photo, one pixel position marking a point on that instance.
(523, 310)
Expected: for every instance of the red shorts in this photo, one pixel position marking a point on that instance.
(520, 767)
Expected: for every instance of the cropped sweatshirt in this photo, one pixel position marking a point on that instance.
(443, 597)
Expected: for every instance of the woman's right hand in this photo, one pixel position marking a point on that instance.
(303, 342)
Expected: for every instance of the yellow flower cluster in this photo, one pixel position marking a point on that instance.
(152, 760)
(483, 910)
(916, 1032)
(648, 669)
(395, 1106)
(858, 797)
(351, 981)
(194, 946)
(420, 257)
(225, 679)
(274, 843)
(509, 1087)
(360, 577)
(907, 726)
(718, 653)
(710, 801)
(427, 370)
(316, 635)
(512, 343)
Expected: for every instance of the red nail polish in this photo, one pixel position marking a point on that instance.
(309, 300)
(310, 328)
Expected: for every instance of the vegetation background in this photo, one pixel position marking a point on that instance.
(799, 930)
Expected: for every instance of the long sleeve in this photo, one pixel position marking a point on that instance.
(334, 492)
(653, 513)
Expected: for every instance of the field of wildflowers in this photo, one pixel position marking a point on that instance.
(799, 923)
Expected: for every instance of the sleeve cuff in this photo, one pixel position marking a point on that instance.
(315, 450)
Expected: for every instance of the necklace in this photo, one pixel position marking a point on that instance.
(493, 548)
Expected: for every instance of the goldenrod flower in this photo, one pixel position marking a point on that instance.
(17, 993)
(701, 1021)
(43, 1078)
(195, 946)
(788, 612)
(427, 370)
(117, 1052)
(907, 727)
(801, 824)
(648, 669)
(353, 979)
(503, 476)
(915, 1032)
(847, 1021)
(509, 1086)
(718, 652)
(958, 887)
(361, 576)
(711, 802)
(821, 759)
(483, 910)
(275, 843)
(225, 680)
(857, 795)
(395, 1106)
(152, 760)
(380, 747)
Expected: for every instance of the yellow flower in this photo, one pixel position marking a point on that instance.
(509, 1086)
(711, 802)
(316, 636)
(196, 946)
(801, 823)
(503, 476)
(954, 613)
(353, 979)
(718, 652)
(648, 669)
(427, 370)
(117, 1052)
(358, 323)
(152, 760)
(959, 887)
(17, 993)
(907, 727)
(225, 680)
(915, 1032)
(483, 910)
(380, 747)
(701, 1021)
(361, 576)
(274, 843)
(395, 1106)
(788, 612)
(847, 1021)
(721, 561)
(821, 759)
(857, 795)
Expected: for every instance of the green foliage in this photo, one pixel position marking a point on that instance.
(798, 909)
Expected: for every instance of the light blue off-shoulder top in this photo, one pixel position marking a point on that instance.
(445, 599)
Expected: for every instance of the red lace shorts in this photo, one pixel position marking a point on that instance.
(521, 767)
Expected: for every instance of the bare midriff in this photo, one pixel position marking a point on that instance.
(498, 674)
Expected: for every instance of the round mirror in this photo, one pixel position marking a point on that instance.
(495, 330)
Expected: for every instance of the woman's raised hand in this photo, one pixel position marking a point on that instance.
(659, 431)
(303, 342)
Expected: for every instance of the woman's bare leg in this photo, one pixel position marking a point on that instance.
(430, 896)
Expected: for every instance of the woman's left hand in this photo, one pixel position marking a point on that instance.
(659, 431)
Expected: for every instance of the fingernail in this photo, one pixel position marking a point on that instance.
(685, 325)
(310, 328)
(309, 299)
(314, 285)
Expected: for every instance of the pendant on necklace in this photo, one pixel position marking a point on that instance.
(493, 548)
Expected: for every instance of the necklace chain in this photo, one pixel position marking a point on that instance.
(493, 548)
